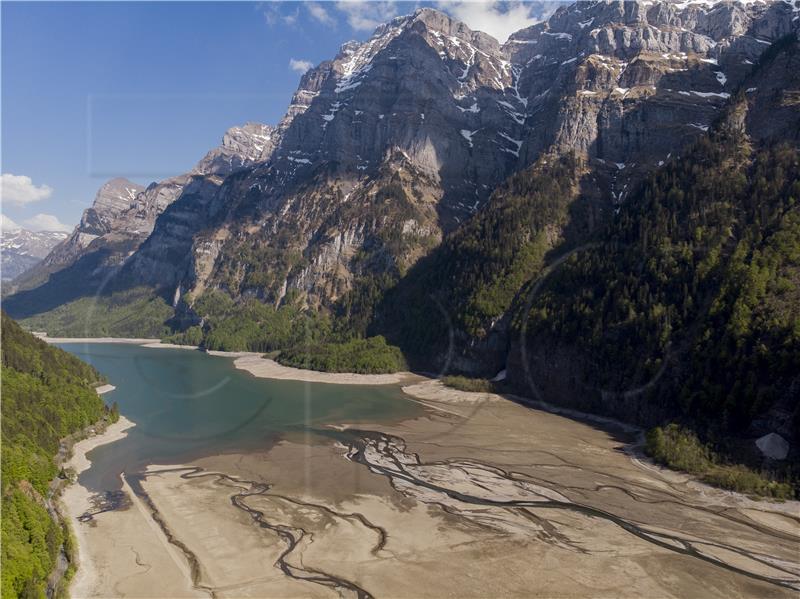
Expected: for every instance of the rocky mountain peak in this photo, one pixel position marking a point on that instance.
(241, 146)
(400, 139)
(113, 198)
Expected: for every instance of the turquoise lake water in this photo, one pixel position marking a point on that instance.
(187, 404)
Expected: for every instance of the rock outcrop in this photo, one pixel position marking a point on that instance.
(400, 139)
(625, 85)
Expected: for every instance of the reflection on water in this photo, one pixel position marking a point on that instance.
(187, 404)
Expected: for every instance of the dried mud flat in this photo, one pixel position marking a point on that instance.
(481, 497)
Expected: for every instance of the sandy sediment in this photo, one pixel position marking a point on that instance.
(121, 553)
(130, 340)
(159, 345)
(262, 367)
(480, 497)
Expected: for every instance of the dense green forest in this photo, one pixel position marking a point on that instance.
(365, 356)
(47, 394)
(250, 325)
(700, 269)
(301, 338)
(694, 286)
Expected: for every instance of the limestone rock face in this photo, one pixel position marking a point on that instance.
(396, 141)
(625, 85)
(241, 146)
(124, 214)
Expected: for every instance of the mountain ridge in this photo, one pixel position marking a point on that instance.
(403, 193)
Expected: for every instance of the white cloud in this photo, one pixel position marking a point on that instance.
(6, 224)
(320, 13)
(497, 18)
(365, 15)
(46, 222)
(301, 66)
(274, 15)
(291, 18)
(20, 190)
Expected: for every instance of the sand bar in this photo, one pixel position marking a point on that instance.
(130, 340)
(159, 345)
(256, 364)
(262, 367)
(357, 526)
(121, 553)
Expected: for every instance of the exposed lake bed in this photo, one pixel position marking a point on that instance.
(376, 491)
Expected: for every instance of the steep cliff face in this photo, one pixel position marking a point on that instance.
(629, 84)
(398, 141)
(121, 217)
(428, 103)
(376, 159)
(241, 146)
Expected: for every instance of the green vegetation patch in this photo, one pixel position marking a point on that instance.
(364, 356)
(136, 312)
(463, 383)
(48, 394)
(249, 325)
(680, 449)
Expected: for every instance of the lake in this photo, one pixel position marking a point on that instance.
(188, 404)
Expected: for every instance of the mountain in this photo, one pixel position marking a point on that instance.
(22, 249)
(48, 394)
(438, 188)
(123, 215)
(440, 115)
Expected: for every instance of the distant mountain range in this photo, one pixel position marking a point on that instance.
(425, 183)
(22, 249)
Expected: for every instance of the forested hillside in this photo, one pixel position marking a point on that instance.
(469, 282)
(686, 306)
(47, 395)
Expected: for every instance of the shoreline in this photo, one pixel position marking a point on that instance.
(565, 473)
(266, 368)
(412, 385)
(461, 501)
(432, 393)
(258, 366)
(75, 499)
(129, 340)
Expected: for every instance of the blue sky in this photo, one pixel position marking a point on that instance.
(142, 90)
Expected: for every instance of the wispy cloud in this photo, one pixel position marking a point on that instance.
(319, 13)
(275, 14)
(6, 224)
(497, 18)
(46, 222)
(20, 190)
(301, 66)
(365, 15)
